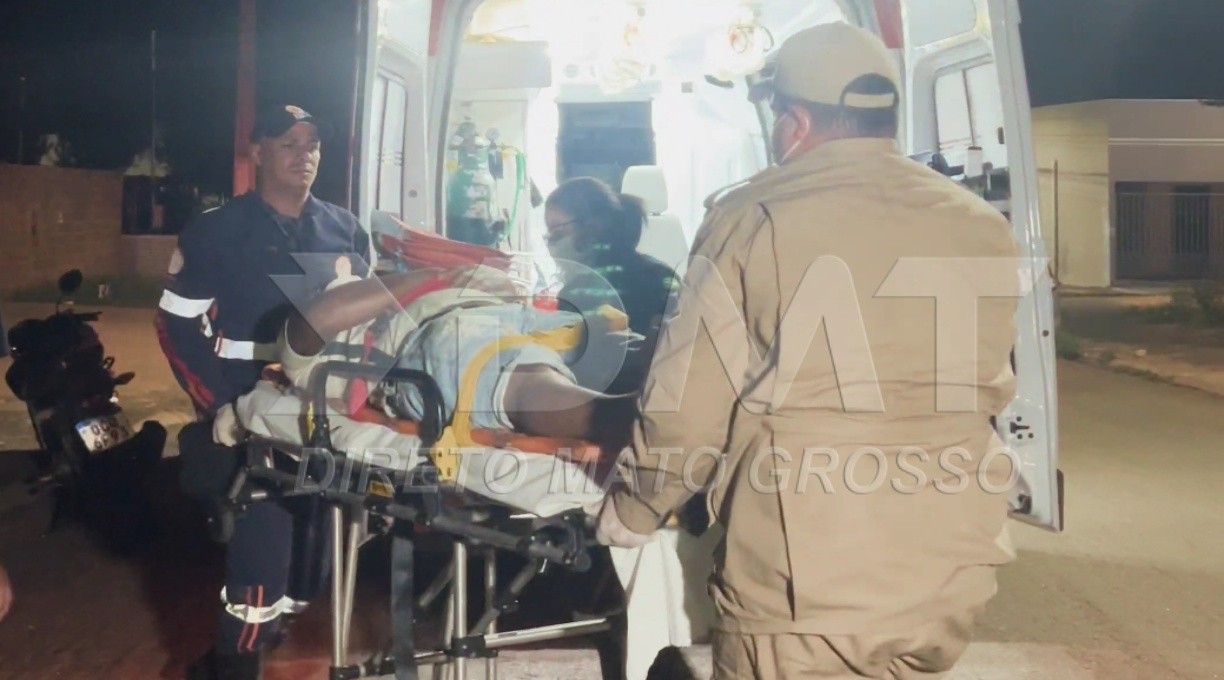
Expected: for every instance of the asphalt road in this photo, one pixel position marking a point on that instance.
(1131, 591)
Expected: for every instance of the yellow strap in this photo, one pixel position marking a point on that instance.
(445, 454)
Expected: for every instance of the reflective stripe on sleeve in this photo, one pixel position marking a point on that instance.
(245, 350)
(184, 307)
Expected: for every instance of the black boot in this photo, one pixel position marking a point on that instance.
(216, 666)
(671, 664)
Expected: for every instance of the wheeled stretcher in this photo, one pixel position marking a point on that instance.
(366, 501)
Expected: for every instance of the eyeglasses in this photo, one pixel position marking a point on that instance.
(556, 233)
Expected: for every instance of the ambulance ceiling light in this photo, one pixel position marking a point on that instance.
(618, 43)
(616, 76)
(630, 52)
(739, 50)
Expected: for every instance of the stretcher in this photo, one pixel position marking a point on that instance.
(366, 502)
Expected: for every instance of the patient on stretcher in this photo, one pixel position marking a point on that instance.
(499, 362)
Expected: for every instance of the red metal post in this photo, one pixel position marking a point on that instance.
(889, 17)
(361, 33)
(244, 165)
(435, 26)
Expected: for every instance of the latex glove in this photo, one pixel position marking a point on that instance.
(611, 531)
(6, 593)
(227, 431)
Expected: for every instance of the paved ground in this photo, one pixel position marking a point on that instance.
(1147, 335)
(1131, 591)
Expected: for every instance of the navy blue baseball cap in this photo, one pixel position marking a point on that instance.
(276, 121)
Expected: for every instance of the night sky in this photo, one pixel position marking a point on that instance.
(87, 67)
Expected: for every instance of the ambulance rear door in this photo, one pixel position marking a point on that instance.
(967, 111)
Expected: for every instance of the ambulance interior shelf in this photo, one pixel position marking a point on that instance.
(991, 183)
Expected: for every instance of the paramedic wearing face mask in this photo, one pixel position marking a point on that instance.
(593, 234)
(825, 572)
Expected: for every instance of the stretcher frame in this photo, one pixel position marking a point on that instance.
(418, 501)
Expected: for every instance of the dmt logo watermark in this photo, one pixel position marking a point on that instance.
(527, 480)
(826, 297)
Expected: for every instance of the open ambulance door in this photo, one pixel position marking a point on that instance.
(392, 151)
(412, 55)
(967, 112)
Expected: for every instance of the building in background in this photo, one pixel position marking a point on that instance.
(1132, 190)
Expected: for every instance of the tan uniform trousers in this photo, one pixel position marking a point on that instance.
(922, 654)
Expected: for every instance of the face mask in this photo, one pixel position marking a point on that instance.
(565, 251)
(786, 156)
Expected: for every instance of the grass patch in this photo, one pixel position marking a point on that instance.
(1068, 347)
(1145, 374)
(121, 290)
(1202, 306)
(1209, 296)
(1182, 309)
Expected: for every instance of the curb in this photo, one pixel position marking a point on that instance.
(1137, 362)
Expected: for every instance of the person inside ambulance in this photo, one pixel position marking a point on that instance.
(593, 235)
(852, 548)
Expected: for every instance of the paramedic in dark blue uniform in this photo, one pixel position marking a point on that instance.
(237, 271)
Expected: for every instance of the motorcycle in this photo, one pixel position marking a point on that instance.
(89, 458)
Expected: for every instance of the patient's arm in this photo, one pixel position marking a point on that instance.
(351, 305)
(541, 402)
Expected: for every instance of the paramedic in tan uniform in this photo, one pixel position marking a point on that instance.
(823, 572)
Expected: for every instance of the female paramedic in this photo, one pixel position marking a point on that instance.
(593, 234)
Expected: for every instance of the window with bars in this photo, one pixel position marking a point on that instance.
(1131, 207)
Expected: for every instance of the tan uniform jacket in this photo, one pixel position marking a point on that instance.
(822, 538)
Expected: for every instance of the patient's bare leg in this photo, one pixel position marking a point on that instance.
(543, 403)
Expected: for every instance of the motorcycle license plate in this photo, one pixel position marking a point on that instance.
(100, 434)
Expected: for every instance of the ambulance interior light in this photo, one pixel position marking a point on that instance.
(740, 48)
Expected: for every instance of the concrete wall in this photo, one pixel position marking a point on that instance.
(1179, 142)
(1097, 145)
(56, 219)
(1072, 145)
(1166, 145)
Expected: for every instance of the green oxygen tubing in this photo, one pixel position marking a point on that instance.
(520, 183)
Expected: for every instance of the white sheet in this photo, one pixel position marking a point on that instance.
(664, 581)
(532, 483)
(671, 575)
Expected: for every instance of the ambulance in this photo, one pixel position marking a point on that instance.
(466, 107)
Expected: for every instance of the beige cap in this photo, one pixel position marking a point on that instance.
(820, 64)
